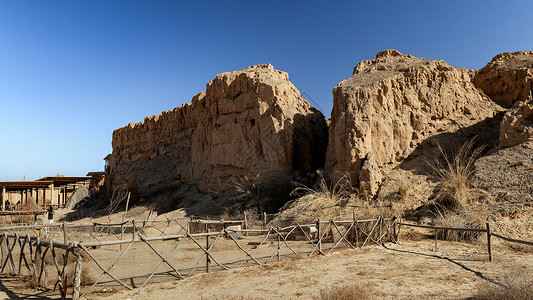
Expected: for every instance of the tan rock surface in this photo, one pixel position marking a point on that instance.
(251, 122)
(394, 103)
(517, 124)
(507, 78)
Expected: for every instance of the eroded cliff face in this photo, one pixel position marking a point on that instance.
(508, 78)
(251, 122)
(392, 104)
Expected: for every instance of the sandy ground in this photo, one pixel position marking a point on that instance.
(409, 270)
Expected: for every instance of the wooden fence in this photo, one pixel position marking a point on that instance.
(487, 230)
(46, 259)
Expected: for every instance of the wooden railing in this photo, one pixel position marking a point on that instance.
(486, 230)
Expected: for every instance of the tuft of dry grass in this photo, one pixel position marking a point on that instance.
(345, 292)
(331, 194)
(513, 285)
(455, 175)
(465, 219)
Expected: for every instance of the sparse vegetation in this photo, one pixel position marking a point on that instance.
(337, 193)
(345, 292)
(455, 175)
(513, 285)
(465, 219)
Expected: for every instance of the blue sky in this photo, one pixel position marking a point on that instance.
(73, 71)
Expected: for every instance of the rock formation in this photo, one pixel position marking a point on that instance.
(390, 106)
(517, 124)
(507, 78)
(251, 123)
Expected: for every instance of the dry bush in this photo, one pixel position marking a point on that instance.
(337, 193)
(247, 189)
(455, 175)
(345, 292)
(88, 273)
(513, 286)
(465, 219)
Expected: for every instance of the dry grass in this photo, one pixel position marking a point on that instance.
(465, 219)
(514, 286)
(337, 193)
(327, 201)
(346, 292)
(455, 175)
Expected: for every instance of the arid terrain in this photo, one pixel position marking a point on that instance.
(411, 137)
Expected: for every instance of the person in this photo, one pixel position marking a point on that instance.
(8, 205)
(51, 214)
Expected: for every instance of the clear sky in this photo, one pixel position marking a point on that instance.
(73, 71)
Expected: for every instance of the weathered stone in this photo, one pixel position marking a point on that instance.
(507, 78)
(517, 124)
(370, 176)
(250, 123)
(394, 103)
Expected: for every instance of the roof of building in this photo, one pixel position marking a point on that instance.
(25, 184)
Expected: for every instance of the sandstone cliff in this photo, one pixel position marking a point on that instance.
(251, 122)
(390, 106)
(507, 78)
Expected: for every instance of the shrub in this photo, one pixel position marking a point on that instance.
(328, 194)
(455, 175)
(513, 286)
(466, 219)
(345, 292)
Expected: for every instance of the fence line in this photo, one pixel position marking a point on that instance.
(33, 252)
(487, 230)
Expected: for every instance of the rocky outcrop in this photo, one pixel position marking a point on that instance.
(250, 123)
(517, 124)
(507, 78)
(391, 105)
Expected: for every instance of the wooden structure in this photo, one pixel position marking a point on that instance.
(65, 184)
(26, 189)
(45, 191)
(38, 257)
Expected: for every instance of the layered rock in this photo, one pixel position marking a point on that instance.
(391, 105)
(507, 78)
(251, 123)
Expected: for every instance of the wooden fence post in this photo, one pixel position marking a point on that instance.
(207, 260)
(319, 233)
(489, 245)
(65, 237)
(133, 229)
(245, 224)
(435, 238)
(264, 220)
(77, 277)
(394, 228)
(279, 239)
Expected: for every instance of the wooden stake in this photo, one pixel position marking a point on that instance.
(489, 245)
(133, 229)
(319, 233)
(279, 238)
(65, 238)
(264, 220)
(77, 277)
(245, 223)
(207, 260)
(435, 238)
